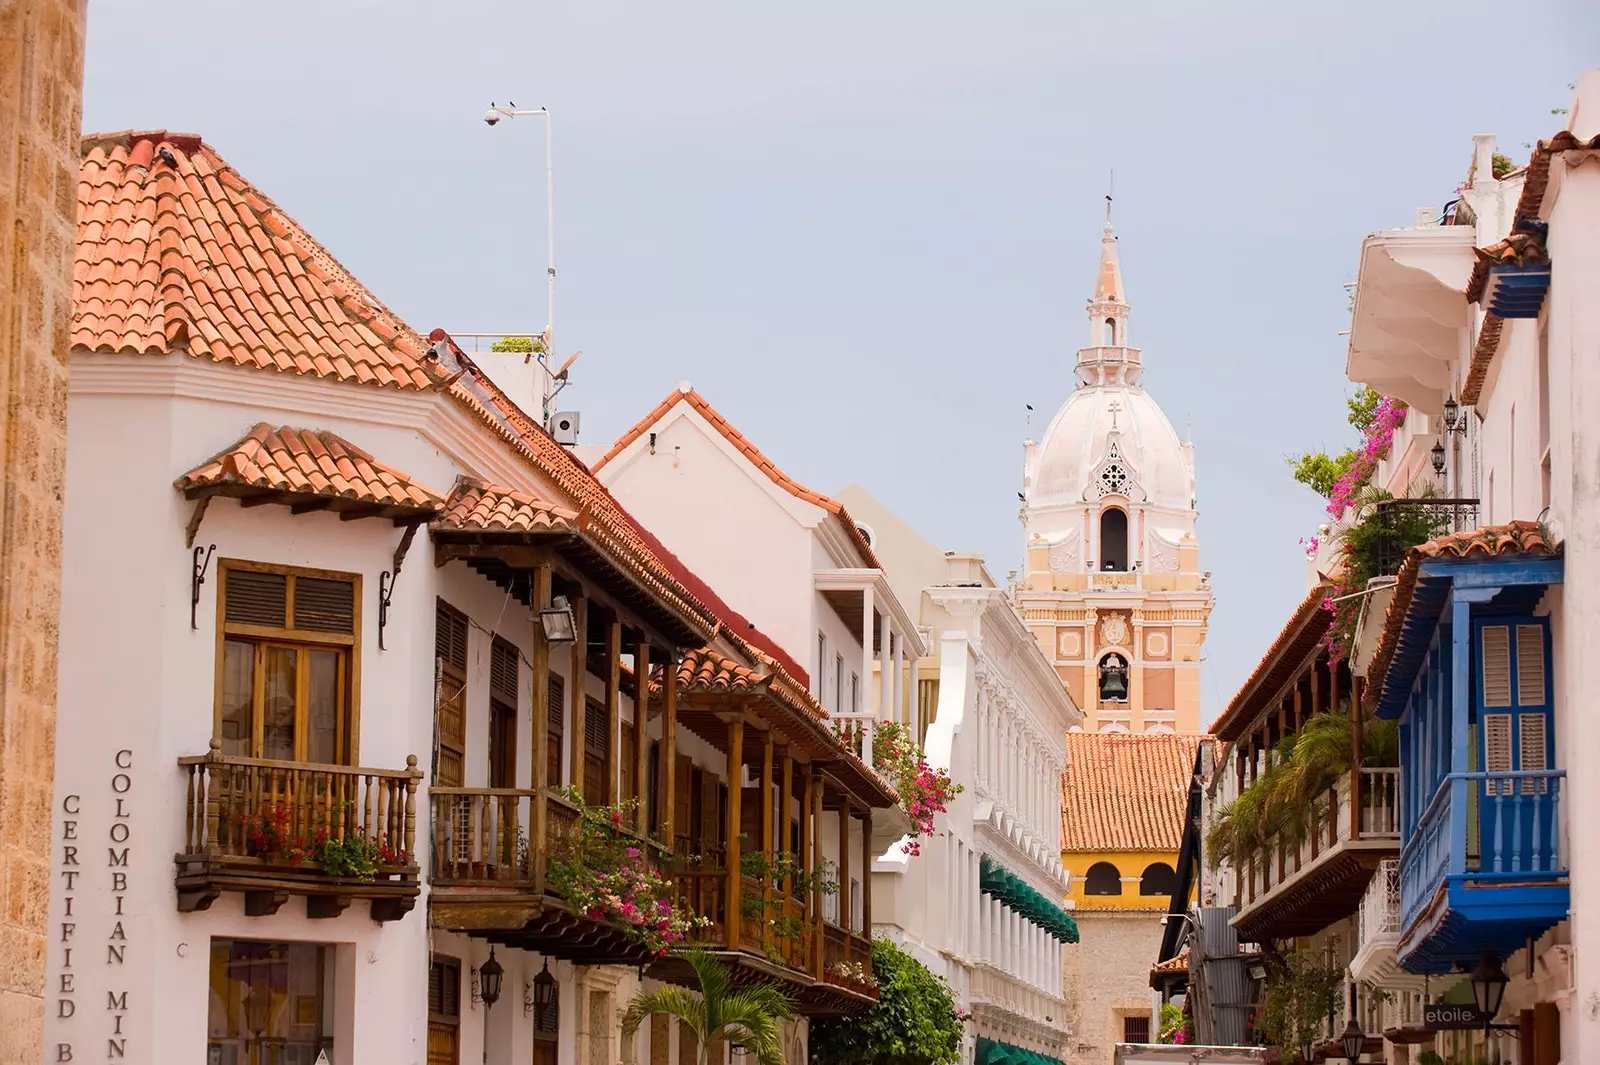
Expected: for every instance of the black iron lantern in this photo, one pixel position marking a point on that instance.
(1489, 986)
(543, 1000)
(1453, 421)
(490, 973)
(1437, 451)
(1353, 1041)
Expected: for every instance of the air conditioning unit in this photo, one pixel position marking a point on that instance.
(564, 427)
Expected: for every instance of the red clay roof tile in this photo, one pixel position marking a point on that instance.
(1126, 791)
(476, 504)
(1513, 538)
(308, 462)
(177, 253)
(1304, 630)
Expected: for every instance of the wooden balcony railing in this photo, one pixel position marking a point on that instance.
(844, 951)
(1377, 819)
(263, 827)
(275, 812)
(1492, 826)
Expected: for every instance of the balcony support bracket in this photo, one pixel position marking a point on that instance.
(264, 903)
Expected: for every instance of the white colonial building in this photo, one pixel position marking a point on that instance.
(980, 903)
(341, 625)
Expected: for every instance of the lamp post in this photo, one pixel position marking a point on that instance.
(492, 117)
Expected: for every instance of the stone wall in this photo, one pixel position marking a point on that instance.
(41, 87)
(1107, 977)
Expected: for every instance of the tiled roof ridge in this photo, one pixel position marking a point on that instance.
(312, 462)
(175, 246)
(1514, 537)
(1310, 612)
(686, 394)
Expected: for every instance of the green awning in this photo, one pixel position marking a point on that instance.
(998, 882)
(992, 1052)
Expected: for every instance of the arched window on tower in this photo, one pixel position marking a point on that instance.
(1111, 332)
(1103, 879)
(1158, 879)
(1114, 540)
(1113, 679)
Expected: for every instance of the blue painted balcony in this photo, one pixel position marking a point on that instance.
(1464, 664)
(1484, 870)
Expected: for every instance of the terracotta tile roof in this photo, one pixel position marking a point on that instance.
(1535, 182)
(1179, 964)
(1126, 791)
(476, 504)
(685, 394)
(178, 253)
(1301, 633)
(306, 463)
(1519, 249)
(1517, 537)
(707, 670)
(1482, 357)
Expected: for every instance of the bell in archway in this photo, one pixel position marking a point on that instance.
(1113, 680)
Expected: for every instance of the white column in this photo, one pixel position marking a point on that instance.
(866, 649)
(907, 687)
(885, 673)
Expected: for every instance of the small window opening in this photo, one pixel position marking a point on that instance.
(1113, 540)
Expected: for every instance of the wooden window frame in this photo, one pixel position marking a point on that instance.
(350, 690)
(446, 674)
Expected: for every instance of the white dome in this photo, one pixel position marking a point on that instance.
(1077, 449)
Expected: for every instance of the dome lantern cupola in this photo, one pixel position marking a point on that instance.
(1108, 360)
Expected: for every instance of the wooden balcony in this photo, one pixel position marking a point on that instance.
(255, 826)
(1484, 869)
(1297, 890)
(807, 961)
(491, 849)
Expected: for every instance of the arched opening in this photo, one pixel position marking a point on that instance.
(1111, 332)
(1158, 879)
(1114, 540)
(1103, 879)
(1113, 679)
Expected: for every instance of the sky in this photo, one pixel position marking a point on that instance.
(866, 231)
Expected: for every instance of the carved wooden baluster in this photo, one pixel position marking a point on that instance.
(411, 800)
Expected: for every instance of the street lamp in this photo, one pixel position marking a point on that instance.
(542, 997)
(490, 973)
(1353, 1041)
(1489, 986)
(558, 622)
(1454, 421)
(1437, 451)
(492, 117)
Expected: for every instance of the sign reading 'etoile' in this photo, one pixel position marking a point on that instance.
(1443, 1017)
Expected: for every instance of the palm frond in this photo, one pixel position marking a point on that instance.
(1380, 744)
(672, 1001)
(750, 1020)
(715, 982)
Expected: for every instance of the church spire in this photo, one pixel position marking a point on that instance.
(1108, 285)
(1108, 360)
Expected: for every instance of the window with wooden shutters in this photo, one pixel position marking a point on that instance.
(1497, 751)
(555, 733)
(596, 747)
(1495, 663)
(1533, 750)
(1532, 692)
(450, 705)
(285, 688)
(444, 1012)
(504, 667)
(1530, 665)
